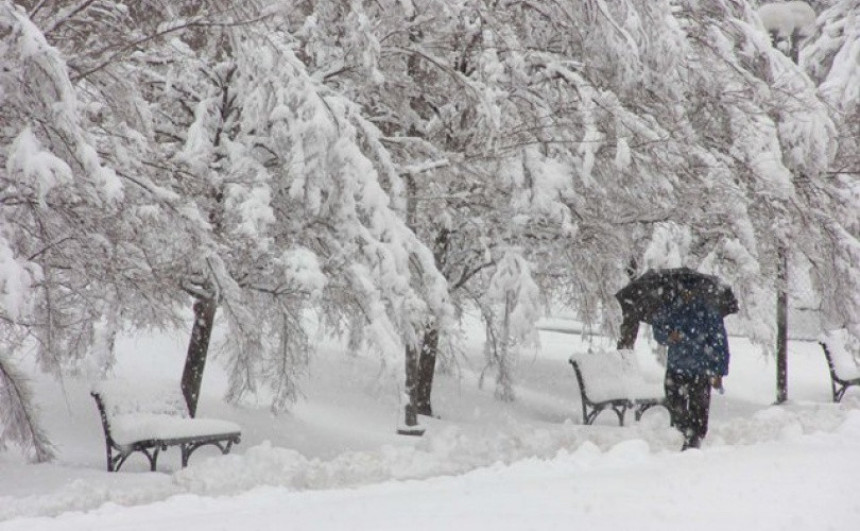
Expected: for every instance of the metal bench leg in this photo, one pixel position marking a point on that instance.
(642, 409)
(620, 411)
(226, 449)
(109, 459)
(838, 394)
(118, 462)
(185, 450)
(188, 448)
(589, 418)
(152, 458)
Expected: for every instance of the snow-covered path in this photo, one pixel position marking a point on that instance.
(335, 462)
(801, 482)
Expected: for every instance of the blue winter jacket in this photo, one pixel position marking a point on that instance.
(703, 347)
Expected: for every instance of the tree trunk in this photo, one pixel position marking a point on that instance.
(782, 328)
(430, 341)
(410, 410)
(198, 349)
(425, 371)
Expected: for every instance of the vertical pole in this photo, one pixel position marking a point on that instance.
(782, 286)
(782, 276)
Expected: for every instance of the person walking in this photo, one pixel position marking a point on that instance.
(698, 359)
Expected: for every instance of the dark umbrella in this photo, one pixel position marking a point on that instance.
(657, 288)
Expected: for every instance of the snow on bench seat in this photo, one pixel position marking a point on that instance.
(134, 427)
(613, 379)
(838, 346)
(137, 418)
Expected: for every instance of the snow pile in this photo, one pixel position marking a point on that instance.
(788, 18)
(450, 451)
(341, 437)
(768, 487)
(781, 423)
(85, 495)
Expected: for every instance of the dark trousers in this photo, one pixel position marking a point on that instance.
(688, 398)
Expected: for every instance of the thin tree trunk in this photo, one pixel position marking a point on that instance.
(504, 380)
(430, 341)
(782, 328)
(198, 350)
(410, 410)
(425, 371)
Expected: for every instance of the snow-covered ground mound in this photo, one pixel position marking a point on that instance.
(342, 435)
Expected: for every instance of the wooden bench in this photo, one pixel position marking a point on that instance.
(612, 379)
(151, 421)
(844, 370)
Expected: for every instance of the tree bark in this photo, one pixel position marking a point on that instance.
(782, 328)
(198, 350)
(425, 371)
(411, 410)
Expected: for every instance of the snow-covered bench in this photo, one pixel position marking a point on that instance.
(613, 379)
(844, 369)
(151, 420)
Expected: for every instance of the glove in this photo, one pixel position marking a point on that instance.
(717, 383)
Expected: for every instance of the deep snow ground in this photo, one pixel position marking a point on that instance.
(335, 462)
(786, 485)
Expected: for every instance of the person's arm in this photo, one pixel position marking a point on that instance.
(717, 349)
(722, 339)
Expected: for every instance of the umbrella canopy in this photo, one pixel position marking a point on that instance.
(657, 288)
